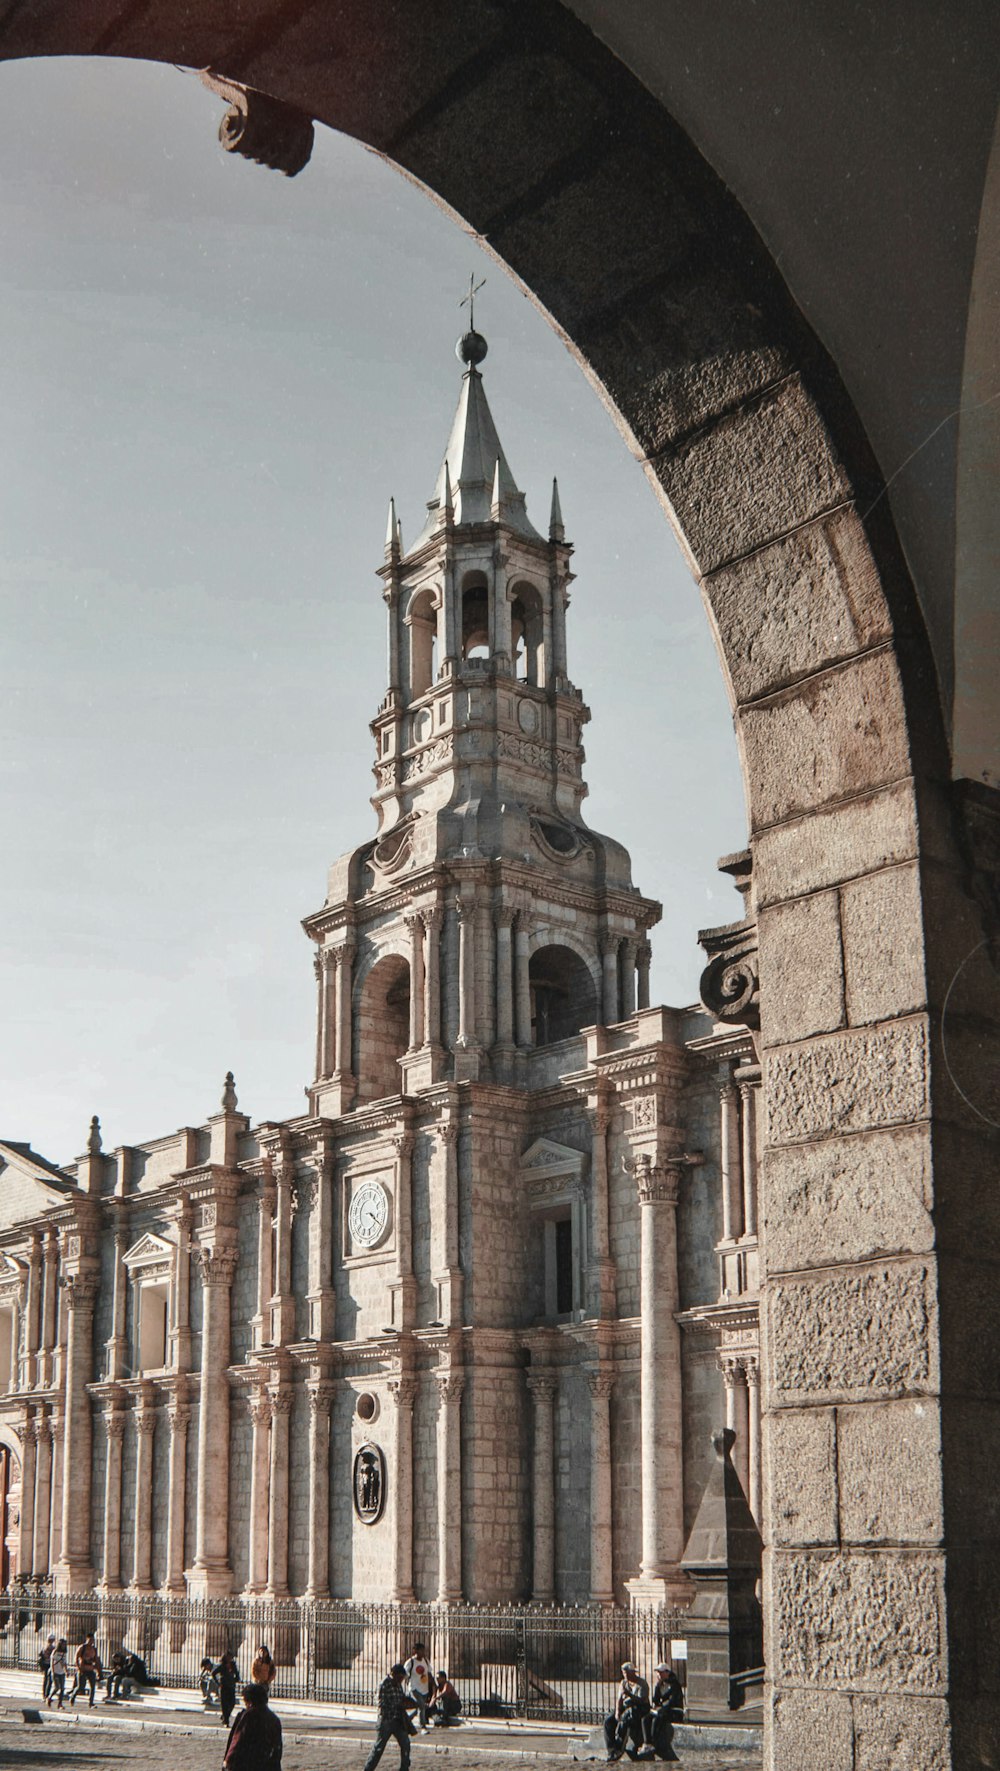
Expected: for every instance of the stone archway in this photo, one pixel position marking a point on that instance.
(880, 1331)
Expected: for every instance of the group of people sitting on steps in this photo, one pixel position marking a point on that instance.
(642, 1723)
(125, 1671)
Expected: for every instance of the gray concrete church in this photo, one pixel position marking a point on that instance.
(463, 1329)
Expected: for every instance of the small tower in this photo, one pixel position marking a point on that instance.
(485, 919)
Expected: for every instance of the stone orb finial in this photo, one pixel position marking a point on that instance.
(94, 1139)
(229, 1094)
(471, 348)
(723, 1441)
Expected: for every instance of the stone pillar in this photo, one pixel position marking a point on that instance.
(259, 1408)
(178, 1421)
(265, 1263)
(321, 1296)
(603, 1283)
(145, 1427)
(26, 1524)
(644, 958)
(522, 985)
(737, 1414)
(446, 1269)
(211, 1575)
(609, 963)
(558, 595)
(466, 913)
(415, 925)
(660, 1390)
(344, 960)
(55, 1513)
(319, 972)
(729, 1376)
(43, 1494)
(748, 1098)
(485, 965)
(277, 1498)
(728, 1161)
(432, 977)
(32, 1313)
(505, 976)
(116, 1362)
(752, 1369)
(542, 1386)
(50, 1285)
(114, 1435)
(449, 1485)
(75, 1571)
(403, 1285)
(283, 1300)
(601, 1514)
(320, 1402)
(629, 950)
(181, 1326)
(403, 1390)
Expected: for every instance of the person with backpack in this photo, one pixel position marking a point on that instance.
(58, 1669)
(45, 1665)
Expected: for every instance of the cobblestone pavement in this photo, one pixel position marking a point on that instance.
(132, 1749)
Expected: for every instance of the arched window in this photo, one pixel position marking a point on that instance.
(383, 1028)
(563, 998)
(475, 617)
(526, 631)
(421, 621)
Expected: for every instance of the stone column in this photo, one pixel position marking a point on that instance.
(609, 963)
(432, 976)
(321, 1297)
(259, 1408)
(738, 1414)
(55, 1511)
(181, 1325)
(344, 961)
(542, 1386)
(449, 1485)
(403, 1390)
(729, 1371)
(178, 1420)
(50, 1284)
(114, 1435)
(600, 1230)
(145, 1427)
(320, 1402)
(283, 1299)
(601, 1588)
(644, 957)
(277, 1499)
(415, 925)
(319, 973)
(265, 1264)
(26, 1524)
(115, 1347)
(446, 1269)
(211, 1574)
(629, 950)
(32, 1314)
(728, 1162)
(75, 1571)
(522, 984)
(752, 1369)
(43, 1494)
(404, 1285)
(505, 976)
(660, 1391)
(466, 913)
(748, 1098)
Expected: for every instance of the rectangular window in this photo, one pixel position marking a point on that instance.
(154, 1303)
(6, 1349)
(564, 1266)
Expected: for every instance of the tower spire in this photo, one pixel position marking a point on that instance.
(475, 467)
(556, 530)
(392, 528)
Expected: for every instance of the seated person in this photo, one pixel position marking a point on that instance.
(445, 1702)
(118, 1684)
(624, 1731)
(668, 1707)
(208, 1684)
(136, 1670)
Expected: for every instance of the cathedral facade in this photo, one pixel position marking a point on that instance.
(462, 1330)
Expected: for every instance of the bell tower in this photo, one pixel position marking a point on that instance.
(485, 920)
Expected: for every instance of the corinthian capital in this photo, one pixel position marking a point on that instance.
(217, 1264)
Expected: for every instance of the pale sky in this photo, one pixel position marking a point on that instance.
(212, 379)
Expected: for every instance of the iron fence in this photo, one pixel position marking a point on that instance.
(559, 1663)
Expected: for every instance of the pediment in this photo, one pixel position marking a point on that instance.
(545, 1155)
(149, 1251)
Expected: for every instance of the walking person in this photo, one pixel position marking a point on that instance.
(58, 1669)
(254, 1742)
(393, 1721)
(263, 1672)
(88, 1668)
(45, 1665)
(227, 1677)
(421, 1682)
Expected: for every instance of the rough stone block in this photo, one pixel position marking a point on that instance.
(811, 1731)
(836, 735)
(851, 1336)
(889, 1473)
(853, 1081)
(835, 844)
(902, 1734)
(848, 1199)
(867, 1622)
(883, 944)
(810, 600)
(799, 1460)
(801, 968)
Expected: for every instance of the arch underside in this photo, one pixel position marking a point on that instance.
(880, 1441)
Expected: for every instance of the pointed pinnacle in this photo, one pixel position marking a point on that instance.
(495, 499)
(399, 533)
(448, 502)
(392, 528)
(556, 530)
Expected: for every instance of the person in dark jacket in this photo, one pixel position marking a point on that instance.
(227, 1677)
(393, 1721)
(667, 1698)
(623, 1732)
(254, 1742)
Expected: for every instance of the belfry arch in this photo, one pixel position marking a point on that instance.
(632, 245)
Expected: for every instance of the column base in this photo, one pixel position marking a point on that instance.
(73, 1577)
(403, 1298)
(450, 1287)
(603, 1288)
(651, 1592)
(503, 1058)
(215, 1582)
(422, 1067)
(330, 1096)
(466, 1063)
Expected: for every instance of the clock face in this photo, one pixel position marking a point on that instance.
(368, 1217)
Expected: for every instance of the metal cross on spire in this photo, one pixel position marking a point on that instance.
(469, 300)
